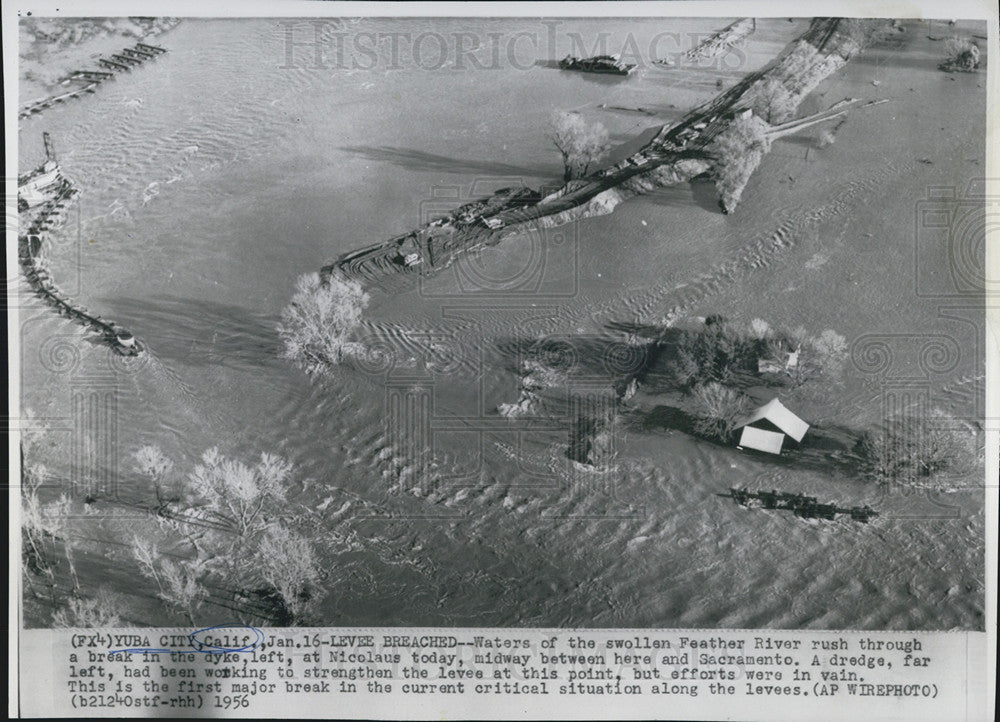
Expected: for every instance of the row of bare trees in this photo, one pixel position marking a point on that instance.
(223, 534)
(229, 535)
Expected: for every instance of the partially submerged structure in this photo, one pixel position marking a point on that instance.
(808, 507)
(717, 44)
(766, 428)
(612, 64)
(43, 183)
(119, 62)
(43, 195)
(784, 362)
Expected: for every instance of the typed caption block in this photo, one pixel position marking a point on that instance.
(234, 670)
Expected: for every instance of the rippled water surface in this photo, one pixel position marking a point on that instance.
(212, 177)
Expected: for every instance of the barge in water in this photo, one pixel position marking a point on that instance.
(611, 64)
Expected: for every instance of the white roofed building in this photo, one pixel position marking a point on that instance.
(766, 428)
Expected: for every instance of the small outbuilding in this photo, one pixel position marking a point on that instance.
(766, 428)
(786, 363)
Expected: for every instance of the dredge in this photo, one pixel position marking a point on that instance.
(807, 507)
(43, 196)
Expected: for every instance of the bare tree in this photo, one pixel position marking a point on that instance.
(760, 329)
(181, 584)
(963, 55)
(773, 101)
(41, 522)
(238, 496)
(287, 563)
(152, 462)
(719, 410)
(579, 144)
(316, 325)
(737, 151)
(106, 609)
(915, 449)
(240, 549)
(824, 356)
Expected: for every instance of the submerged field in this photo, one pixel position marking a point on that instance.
(214, 177)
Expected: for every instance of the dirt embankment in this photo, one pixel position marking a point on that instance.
(715, 45)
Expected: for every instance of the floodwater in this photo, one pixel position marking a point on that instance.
(214, 176)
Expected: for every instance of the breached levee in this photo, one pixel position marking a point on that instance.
(676, 154)
(606, 201)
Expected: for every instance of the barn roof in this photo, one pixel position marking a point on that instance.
(776, 412)
(761, 439)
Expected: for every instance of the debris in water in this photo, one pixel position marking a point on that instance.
(801, 505)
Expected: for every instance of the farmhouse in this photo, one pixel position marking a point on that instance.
(766, 428)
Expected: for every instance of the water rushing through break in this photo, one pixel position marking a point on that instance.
(212, 177)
